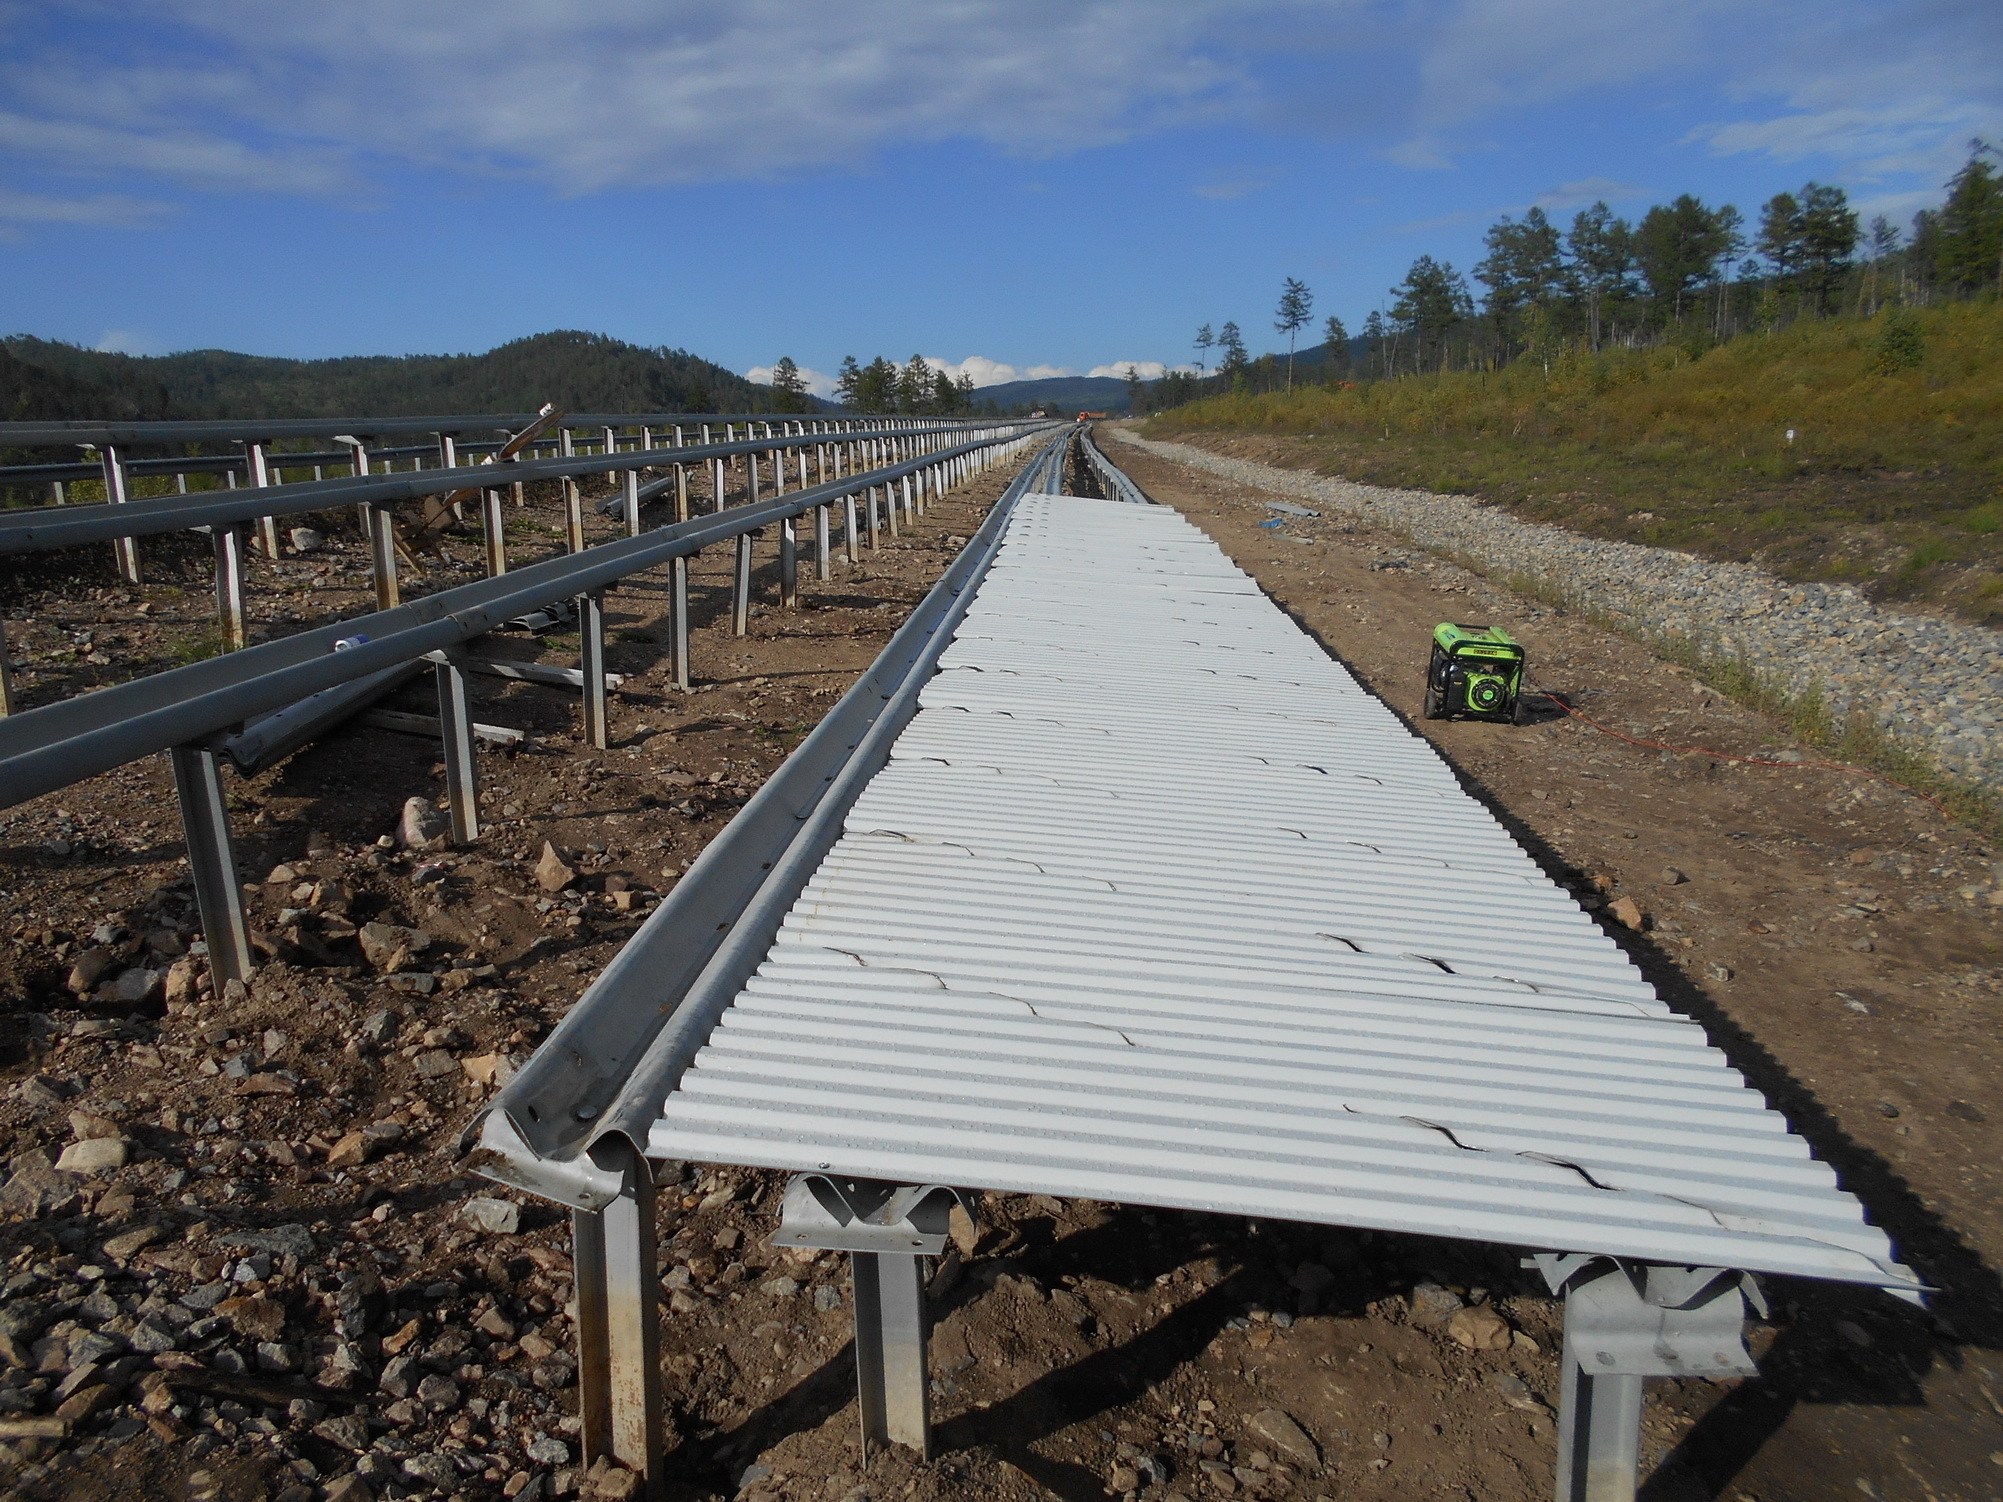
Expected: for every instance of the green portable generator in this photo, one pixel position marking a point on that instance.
(1475, 671)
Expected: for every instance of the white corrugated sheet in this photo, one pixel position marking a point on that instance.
(1155, 904)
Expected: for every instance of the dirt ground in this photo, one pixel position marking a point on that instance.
(265, 1279)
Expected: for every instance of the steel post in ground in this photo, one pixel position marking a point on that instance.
(493, 523)
(789, 565)
(591, 637)
(616, 1273)
(358, 466)
(891, 1385)
(1625, 1323)
(205, 824)
(462, 773)
(890, 505)
(740, 593)
(631, 502)
(875, 521)
(382, 557)
(228, 545)
(681, 487)
(124, 550)
(1599, 1436)
(822, 569)
(717, 480)
(260, 476)
(6, 674)
(909, 514)
(678, 620)
(751, 476)
(573, 502)
(848, 528)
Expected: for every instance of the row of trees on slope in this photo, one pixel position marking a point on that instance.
(1686, 270)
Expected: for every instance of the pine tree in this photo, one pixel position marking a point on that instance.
(1969, 252)
(1336, 337)
(1296, 303)
(1205, 341)
(1602, 265)
(789, 387)
(1232, 361)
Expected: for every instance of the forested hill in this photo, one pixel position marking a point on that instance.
(580, 372)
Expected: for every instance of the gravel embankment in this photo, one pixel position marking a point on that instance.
(1934, 686)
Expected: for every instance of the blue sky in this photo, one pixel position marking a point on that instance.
(1007, 186)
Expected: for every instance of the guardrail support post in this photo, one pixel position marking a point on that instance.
(124, 550)
(910, 515)
(382, 556)
(6, 674)
(716, 485)
(1624, 1324)
(462, 773)
(890, 505)
(617, 1274)
(789, 565)
(885, 1228)
(591, 636)
(891, 1380)
(822, 569)
(848, 527)
(228, 544)
(740, 594)
(632, 503)
(493, 524)
(681, 488)
(260, 476)
(205, 824)
(875, 521)
(678, 620)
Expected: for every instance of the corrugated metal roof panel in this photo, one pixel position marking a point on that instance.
(1155, 903)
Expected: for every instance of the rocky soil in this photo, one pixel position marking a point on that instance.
(239, 1259)
(1934, 685)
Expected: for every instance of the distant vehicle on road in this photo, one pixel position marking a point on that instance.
(1090, 416)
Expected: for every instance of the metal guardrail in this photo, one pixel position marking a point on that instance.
(1113, 480)
(219, 513)
(572, 1125)
(609, 432)
(280, 429)
(986, 962)
(192, 711)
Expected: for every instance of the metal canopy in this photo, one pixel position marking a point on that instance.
(1154, 904)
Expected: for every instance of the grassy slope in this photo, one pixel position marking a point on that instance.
(1894, 481)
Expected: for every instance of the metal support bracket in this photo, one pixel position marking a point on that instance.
(885, 1228)
(1624, 1324)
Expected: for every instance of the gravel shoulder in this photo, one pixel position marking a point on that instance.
(1935, 686)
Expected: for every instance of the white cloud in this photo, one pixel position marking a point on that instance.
(986, 372)
(126, 342)
(1147, 370)
(586, 94)
(109, 210)
(1873, 89)
(818, 382)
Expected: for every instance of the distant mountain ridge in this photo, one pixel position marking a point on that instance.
(1063, 394)
(43, 379)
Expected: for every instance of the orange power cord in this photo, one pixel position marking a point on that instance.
(1751, 761)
